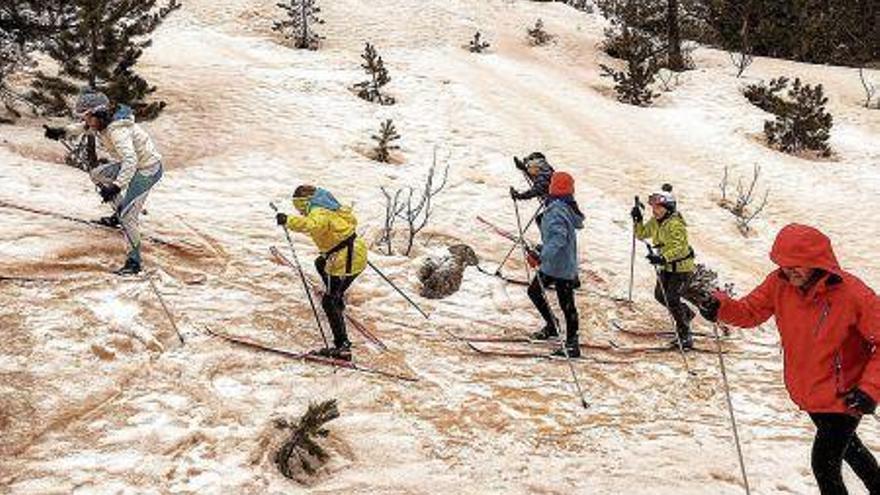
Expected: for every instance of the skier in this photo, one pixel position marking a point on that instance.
(538, 173)
(672, 257)
(124, 183)
(829, 325)
(556, 262)
(343, 255)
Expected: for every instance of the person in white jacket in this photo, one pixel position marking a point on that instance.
(125, 182)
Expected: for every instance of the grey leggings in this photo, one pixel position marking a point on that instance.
(128, 206)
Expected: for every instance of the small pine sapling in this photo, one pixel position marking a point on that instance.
(374, 66)
(385, 141)
(302, 16)
(766, 96)
(537, 35)
(633, 83)
(478, 45)
(300, 452)
(801, 123)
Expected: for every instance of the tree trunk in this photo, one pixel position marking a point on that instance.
(304, 40)
(673, 38)
(91, 145)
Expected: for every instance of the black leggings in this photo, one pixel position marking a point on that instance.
(836, 441)
(333, 302)
(673, 285)
(565, 294)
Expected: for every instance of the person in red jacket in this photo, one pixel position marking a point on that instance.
(829, 325)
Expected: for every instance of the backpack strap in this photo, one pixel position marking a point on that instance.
(348, 242)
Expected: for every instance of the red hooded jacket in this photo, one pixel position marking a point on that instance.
(828, 333)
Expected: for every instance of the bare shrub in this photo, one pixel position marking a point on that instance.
(742, 206)
(411, 207)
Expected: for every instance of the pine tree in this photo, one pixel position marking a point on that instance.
(537, 35)
(301, 452)
(385, 141)
(478, 45)
(24, 27)
(817, 31)
(99, 47)
(302, 16)
(371, 90)
(633, 84)
(802, 123)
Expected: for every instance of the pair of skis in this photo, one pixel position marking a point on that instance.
(94, 223)
(611, 347)
(312, 358)
(308, 356)
(355, 323)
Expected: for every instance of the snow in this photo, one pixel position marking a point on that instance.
(97, 395)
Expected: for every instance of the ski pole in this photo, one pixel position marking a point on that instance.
(742, 464)
(153, 287)
(632, 258)
(399, 291)
(302, 277)
(516, 243)
(577, 384)
(522, 240)
(687, 366)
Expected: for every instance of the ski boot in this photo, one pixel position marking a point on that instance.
(546, 333)
(573, 352)
(112, 221)
(131, 267)
(342, 353)
(687, 342)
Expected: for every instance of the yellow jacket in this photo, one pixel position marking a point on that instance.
(328, 224)
(671, 238)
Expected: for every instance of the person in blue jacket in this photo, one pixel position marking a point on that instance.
(556, 262)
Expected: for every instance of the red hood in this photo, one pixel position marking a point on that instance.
(803, 246)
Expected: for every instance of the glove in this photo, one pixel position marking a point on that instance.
(709, 309)
(513, 194)
(321, 265)
(281, 219)
(519, 163)
(108, 193)
(860, 401)
(656, 259)
(533, 258)
(636, 214)
(53, 133)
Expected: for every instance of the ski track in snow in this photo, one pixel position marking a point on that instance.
(97, 396)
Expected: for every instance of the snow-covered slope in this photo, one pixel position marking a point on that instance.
(97, 397)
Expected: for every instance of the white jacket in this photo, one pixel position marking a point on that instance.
(128, 143)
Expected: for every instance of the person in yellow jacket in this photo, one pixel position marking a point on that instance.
(672, 257)
(343, 257)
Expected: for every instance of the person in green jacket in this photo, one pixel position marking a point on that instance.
(672, 257)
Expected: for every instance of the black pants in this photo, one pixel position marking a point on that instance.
(674, 284)
(836, 441)
(565, 294)
(333, 302)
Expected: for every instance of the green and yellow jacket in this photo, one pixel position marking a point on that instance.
(670, 238)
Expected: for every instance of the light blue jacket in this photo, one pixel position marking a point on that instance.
(559, 227)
